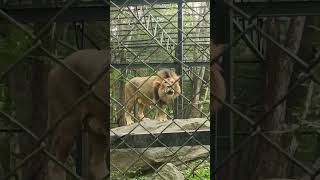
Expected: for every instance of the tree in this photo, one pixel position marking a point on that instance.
(268, 162)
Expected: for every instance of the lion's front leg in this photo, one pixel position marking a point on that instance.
(141, 110)
(129, 107)
(128, 119)
(160, 113)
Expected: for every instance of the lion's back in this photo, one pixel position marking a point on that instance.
(142, 82)
(144, 85)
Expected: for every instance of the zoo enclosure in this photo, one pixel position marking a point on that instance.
(147, 36)
(28, 12)
(276, 8)
(48, 13)
(247, 19)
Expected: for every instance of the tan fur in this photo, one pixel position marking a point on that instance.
(64, 88)
(219, 86)
(159, 89)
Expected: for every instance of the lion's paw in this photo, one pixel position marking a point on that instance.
(129, 122)
(163, 119)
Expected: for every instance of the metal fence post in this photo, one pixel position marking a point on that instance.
(82, 164)
(222, 34)
(179, 64)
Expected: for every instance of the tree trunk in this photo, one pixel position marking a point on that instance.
(269, 163)
(122, 83)
(195, 111)
(308, 101)
(198, 75)
(28, 90)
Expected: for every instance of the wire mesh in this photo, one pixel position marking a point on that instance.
(144, 37)
(37, 45)
(252, 32)
(156, 26)
(165, 45)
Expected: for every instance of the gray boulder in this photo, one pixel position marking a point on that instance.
(141, 160)
(168, 172)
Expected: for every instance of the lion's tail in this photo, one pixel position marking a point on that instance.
(219, 87)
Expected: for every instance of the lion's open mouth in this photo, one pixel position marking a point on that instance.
(170, 92)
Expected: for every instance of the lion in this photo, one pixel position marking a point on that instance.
(156, 90)
(64, 89)
(218, 83)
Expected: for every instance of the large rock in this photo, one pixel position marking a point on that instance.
(155, 126)
(142, 160)
(168, 172)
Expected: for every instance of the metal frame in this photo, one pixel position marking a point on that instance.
(42, 149)
(249, 11)
(56, 15)
(97, 12)
(160, 139)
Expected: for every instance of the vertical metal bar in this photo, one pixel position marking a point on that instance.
(78, 153)
(108, 118)
(81, 154)
(76, 34)
(213, 15)
(223, 127)
(179, 64)
(82, 34)
(84, 135)
(85, 155)
(78, 158)
(83, 140)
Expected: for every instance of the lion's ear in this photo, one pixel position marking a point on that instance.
(178, 78)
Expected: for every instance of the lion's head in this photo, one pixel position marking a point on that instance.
(167, 89)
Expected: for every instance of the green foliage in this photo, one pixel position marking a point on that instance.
(12, 46)
(201, 172)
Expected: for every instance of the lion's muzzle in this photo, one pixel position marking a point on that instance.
(170, 92)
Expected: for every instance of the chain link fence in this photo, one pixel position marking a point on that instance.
(33, 46)
(266, 134)
(146, 36)
(166, 47)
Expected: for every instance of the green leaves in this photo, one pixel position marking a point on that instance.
(12, 46)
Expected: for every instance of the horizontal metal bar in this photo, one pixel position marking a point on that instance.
(154, 65)
(143, 2)
(172, 65)
(118, 20)
(160, 7)
(156, 45)
(160, 22)
(11, 131)
(46, 3)
(294, 8)
(177, 138)
(99, 12)
(167, 28)
(141, 41)
(27, 15)
(28, 3)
